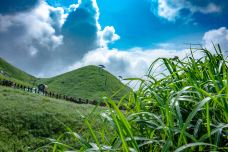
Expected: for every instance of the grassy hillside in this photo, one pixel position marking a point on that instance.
(27, 120)
(11, 72)
(90, 82)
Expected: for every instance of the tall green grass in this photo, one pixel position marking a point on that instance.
(184, 108)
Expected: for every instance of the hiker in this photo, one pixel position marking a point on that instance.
(7, 83)
(42, 88)
(80, 100)
(13, 85)
(18, 86)
(94, 102)
(60, 96)
(103, 104)
(86, 101)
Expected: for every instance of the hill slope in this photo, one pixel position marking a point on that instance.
(90, 82)
(11, 72)
(27, 120)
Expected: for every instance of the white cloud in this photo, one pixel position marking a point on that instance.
(50, 38)
(216, 36)
(170, 10)
(108, 35)
(39, 35)
(105, 36)
(95, 10)
(73, 7)
(37, 26)
(58, 16)
(210, 8)
(129, 63)
(166, 11)
(136, 61)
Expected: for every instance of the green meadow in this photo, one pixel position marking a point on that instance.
(29, 121)
(182, 108)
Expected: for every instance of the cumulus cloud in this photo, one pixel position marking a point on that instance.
(34, 26)
(167, 11)
(28, 37)
(217, 36)
(210, 8)
(136, 61)
(171, 10)
(107, 36)
(80, 31)
(45, 39)
(127, 63)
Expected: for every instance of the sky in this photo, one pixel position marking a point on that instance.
(49, 37)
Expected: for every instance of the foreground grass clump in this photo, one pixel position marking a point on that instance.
(185, 108)
(27, 121)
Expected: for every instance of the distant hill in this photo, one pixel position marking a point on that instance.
(89, 82)
(11, 72)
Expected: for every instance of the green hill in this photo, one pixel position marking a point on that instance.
(9, 71)
(27, 120)
(90, 82)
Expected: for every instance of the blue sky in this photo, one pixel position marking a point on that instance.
(124, 35)
(139, 25)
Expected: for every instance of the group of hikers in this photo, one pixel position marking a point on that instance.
(42, 89)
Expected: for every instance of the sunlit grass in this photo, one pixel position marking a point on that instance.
(185, 108)
(27, 120)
